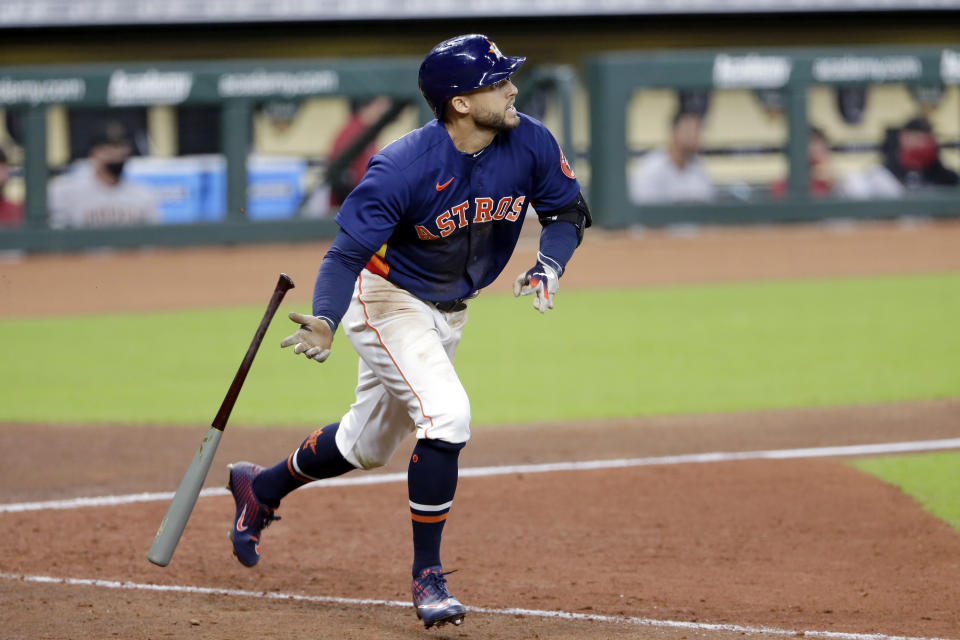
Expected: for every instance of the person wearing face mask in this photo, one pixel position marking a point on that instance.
(915, 158)
(97, 195)
(911, 162)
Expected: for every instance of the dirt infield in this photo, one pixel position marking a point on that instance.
(796, 544)
(801, 545)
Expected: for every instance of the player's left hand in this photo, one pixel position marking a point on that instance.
(313, 339)
(541, 280)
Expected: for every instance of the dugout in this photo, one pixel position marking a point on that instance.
(235, 88)
(229, 97)
(601, 120)
(804, 82)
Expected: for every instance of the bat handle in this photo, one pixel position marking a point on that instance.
(284, 284)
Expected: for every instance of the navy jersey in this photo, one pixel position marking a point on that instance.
(442, 224)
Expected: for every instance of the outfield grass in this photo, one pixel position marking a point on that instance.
(598, 354)
(933, 479)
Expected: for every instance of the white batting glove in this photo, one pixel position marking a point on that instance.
(313, 339)
(542, 280)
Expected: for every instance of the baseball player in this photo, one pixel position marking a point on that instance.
(434, 220)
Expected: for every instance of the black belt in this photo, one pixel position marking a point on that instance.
(451, 305)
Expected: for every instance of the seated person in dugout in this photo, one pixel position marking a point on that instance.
(11, 213)
(818, 161)
(97, 195)
(911, 162)
(674, 174)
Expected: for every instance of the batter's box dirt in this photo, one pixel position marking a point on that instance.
(802, 544)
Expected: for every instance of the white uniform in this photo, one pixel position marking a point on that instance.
(657, 179)
(876, 182)
(406, 378)
(80, 200)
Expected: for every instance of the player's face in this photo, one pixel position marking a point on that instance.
(110, 153)
(686, 134)
(109, 159)
(817, 151)
(492, 106)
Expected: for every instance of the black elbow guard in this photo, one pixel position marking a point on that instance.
(576, 213)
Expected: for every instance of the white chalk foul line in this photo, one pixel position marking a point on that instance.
(532, 613)
(479, 472)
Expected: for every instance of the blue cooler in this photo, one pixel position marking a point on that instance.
(214, 194)
(177, 182)
(274, 187)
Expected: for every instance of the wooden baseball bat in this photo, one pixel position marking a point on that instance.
(173, 523)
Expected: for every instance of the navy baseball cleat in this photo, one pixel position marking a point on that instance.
(251, 515)
(435, 605)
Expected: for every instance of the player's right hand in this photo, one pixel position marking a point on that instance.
(312, 339)
(540, 280)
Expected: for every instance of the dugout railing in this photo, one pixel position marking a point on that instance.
(236, 87)
(613, 78)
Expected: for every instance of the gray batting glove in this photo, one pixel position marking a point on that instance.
(313, 339)
(541, 280)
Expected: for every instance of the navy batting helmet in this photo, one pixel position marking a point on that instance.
(462, 64)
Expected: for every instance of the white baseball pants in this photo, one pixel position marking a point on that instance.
(406, 380)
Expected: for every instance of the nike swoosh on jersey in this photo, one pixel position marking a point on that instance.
(441, 187)
(240, 526)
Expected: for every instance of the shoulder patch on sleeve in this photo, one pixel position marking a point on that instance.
(565, 167)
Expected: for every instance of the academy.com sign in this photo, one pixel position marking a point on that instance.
(867, 68)
(285, 83)
(41, 91)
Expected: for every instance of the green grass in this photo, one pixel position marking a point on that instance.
(933, 479)
(598, 354)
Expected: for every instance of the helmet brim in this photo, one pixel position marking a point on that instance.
(505, 68)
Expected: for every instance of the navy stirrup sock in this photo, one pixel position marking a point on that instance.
(431, 483)
(316, 458)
